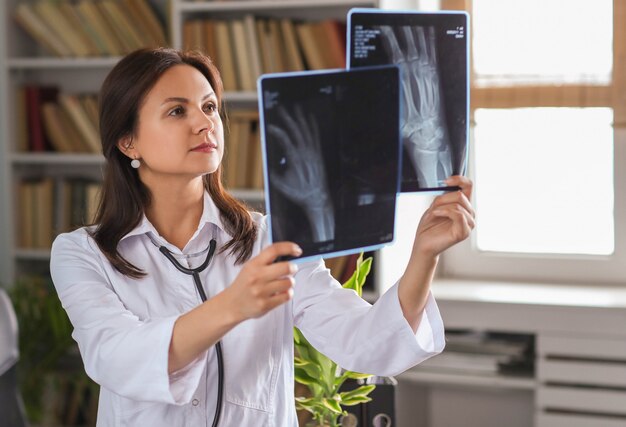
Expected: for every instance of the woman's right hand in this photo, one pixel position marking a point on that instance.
(262, 283)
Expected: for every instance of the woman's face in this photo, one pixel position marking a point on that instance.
(180, 131)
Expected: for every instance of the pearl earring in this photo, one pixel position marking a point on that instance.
(135, 163)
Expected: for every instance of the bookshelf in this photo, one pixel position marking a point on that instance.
(24, 61)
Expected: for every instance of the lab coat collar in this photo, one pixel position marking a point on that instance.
(210, 215)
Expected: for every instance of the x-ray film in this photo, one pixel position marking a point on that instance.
(331, 153)
(431, 50)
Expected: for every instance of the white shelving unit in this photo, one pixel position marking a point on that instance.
(580, 371)
(23, 61)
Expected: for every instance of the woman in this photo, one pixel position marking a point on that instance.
(144, 333)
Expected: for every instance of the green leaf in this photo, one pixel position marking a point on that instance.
(308, 404)
(297, 336)
(362, 391)
(361, 271)
(310, 368)
(303, 378)
(333, 405)
(356, 400)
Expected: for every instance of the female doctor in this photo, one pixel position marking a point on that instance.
(167, 235)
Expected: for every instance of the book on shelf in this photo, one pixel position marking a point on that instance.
(231, 152)
(118, 20)
(331, 34)
(276, 46)
(243, 166)
(61, 130)
(37, 214)
(310, 46)
(193, 35)
(210, 44)
(90, 14)
(292, 50)
(253, 49)
(90, 105)
(246, 81)
(80, 201)
(36, 204)
(245, 48)
(35, 97)
(87, 28)
(226, 62)
(146, 18)
(26, 17)
(243, 153)
(50, 121)
(51, 14)
(86, 128)
(255, 179)
(88, 36)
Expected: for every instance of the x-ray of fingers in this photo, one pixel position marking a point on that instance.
(331, 145)
(431, 50)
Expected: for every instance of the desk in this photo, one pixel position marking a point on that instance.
(580, 378)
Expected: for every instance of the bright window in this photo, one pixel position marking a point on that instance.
(548, 146)
(542, 41)
(544, 180)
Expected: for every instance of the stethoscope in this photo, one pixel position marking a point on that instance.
(195, 273)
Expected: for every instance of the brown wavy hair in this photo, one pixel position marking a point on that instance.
(124, 197)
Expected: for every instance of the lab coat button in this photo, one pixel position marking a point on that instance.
(195, 402)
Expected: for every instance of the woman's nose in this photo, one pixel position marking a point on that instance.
(204, 123)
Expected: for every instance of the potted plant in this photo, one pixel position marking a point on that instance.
(53, 384)
(323, 377)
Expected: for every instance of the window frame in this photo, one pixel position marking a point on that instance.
(465, 261)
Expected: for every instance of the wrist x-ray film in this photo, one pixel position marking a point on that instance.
(331, 153)
(431, 50)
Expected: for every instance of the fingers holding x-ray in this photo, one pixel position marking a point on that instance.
(302, 178)
(423, 125)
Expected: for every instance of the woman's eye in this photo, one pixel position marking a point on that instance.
(177, 111)
(210, 107)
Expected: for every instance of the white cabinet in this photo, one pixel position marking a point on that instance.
(580, 359)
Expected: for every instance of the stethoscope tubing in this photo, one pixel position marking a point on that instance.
(195, 274)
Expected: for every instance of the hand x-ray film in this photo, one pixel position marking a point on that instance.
(331, 152)
(431, 50)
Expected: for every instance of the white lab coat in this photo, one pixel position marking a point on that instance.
(123, 328)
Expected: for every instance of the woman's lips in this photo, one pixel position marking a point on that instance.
(205, 148)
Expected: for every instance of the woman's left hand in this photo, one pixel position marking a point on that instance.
(448, 220)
